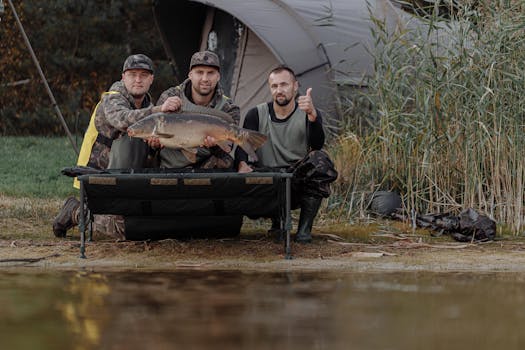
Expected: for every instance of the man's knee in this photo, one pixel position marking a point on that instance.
(109, 225)
(224, 161)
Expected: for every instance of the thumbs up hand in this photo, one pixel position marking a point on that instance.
(306, 104)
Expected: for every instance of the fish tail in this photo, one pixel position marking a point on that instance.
(251, 140)
(256, 139)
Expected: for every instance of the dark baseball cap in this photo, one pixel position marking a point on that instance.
(205, 58)
(138, 61)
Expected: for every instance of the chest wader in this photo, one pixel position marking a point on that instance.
(128, 153)
(313, 175)
(289, 145)
(68, 216)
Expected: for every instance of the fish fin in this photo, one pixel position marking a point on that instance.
(190, 154)
(252, 141)
(256, 139)
(225, 146)
(249, 150)
(192, 108)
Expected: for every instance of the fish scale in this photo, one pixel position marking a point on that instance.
(187, 131)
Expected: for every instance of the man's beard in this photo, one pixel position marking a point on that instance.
(282, 103)
(204, 94)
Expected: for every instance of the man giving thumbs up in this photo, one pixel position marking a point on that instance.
(295, 137)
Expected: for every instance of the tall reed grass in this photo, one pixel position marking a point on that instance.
(446, 118)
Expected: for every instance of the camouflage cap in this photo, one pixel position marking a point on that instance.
(205, 58)
(138, 61)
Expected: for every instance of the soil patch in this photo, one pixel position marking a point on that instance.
(255, 252)
(26, 240)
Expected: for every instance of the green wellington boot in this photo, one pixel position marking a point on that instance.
(309, 208)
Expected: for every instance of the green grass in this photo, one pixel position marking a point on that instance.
(30, 167)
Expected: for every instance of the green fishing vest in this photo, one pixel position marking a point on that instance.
(286, 141)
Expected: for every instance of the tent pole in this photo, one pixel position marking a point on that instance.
(165, 43)
(49, 92)
(206, 28)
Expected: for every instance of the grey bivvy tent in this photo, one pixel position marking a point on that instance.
(324, 41)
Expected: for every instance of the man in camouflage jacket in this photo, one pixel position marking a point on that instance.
(201, 88)
(126, 102)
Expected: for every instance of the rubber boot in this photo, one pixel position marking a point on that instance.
(309, 208)
(275, 231)
(67, 217)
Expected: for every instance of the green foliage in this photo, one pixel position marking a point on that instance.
(81, 45)
(30, 167)
(446, 128)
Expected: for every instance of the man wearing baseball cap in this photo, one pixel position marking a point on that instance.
(106, 144)
(202, 88)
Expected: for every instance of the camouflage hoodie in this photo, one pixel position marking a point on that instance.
(114, 114)
(172, 158)
(219, 100)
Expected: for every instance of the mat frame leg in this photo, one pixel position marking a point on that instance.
(82, 221)
(288, 217)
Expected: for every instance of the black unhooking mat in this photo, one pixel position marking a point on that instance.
(182, 227)
(167, 204)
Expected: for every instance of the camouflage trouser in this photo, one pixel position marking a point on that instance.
(218, 160)
(206, 158)
(217, 163)
(313, 175)
(109, 225)
(99, 156)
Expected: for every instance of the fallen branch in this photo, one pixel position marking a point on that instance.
(29, 260)
(331, 236)
(18, 82)
(435, 246)
(404, 244)
(349, 243)
(390, 235)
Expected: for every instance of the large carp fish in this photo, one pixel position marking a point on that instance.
(187, 129)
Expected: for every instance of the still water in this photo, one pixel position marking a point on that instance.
(195, 309)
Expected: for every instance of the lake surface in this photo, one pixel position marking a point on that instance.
(196, 309)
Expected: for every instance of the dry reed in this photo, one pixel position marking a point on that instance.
(447, 121)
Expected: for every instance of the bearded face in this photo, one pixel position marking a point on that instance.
(204, 79)
(283, 87)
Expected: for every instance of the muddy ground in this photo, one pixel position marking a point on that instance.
(372, 245)
(257, 251)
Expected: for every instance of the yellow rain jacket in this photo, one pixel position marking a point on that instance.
(89, 140)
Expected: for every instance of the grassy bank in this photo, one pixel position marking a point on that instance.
(30, 167)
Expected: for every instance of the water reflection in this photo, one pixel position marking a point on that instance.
(251, 310)
(89, 291)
